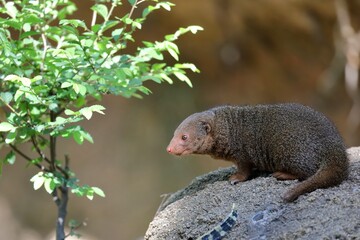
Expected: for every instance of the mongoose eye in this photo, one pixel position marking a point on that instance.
(184, 137)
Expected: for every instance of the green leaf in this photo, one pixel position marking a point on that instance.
(79, 89)
(6, 127)
(19, 93)
(98, 191)
(26, 27)
(38, 180)
(90, 195)
(166, 5)
(166, 78)
(32, 18)
(5, 43)
(97, 108)
(15, 78)
(10, 137)
(173, 53)
(136, 24)
(60, 121)
(49, 185)
(100, 9)
(39, 128)
(187, 66)
(132, 2)
(87, 42)
(74, 22)
(194, 29)
(12, 78)
(87, 136)
(66, 84)
(69, 112)
(6, 97)
(183, 77)
(11, 9)
(116, 33)
(10, 158)
(78, 137)
(86, 112)
(109, 24)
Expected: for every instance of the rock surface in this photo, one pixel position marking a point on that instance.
(332, 213)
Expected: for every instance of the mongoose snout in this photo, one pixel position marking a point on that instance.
(291, 140)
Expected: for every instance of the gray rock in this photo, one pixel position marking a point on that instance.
(332, 213)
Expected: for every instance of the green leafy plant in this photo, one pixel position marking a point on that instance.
(54, 68)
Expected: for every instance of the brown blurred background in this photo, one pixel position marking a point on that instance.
(251, 52)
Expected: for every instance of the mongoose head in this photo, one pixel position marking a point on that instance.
(193, 135)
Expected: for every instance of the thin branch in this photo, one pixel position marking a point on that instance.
(9, 106)
(52, 144)
(137, 2)
(64, 171)
(60, 42)
(37, 148)
(41, 167)
(93, 20)
(44, 52)
(43, 156)
(133, 8)
(106, 19)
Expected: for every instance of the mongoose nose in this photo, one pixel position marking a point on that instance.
(168, 149)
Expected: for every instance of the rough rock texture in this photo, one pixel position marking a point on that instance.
(332, 213)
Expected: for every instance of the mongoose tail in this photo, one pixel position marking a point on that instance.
(333, 170)
(326, 176)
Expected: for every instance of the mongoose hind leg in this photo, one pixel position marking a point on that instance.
(284, 176)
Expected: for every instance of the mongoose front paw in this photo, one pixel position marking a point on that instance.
(236, 178)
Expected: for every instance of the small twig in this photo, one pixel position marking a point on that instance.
(93, 20)
(9, 106)
(59, 45)
(106, 19)
(133, 7)
(38, 150)
(44, 51)
(41, 167)
(43, 156)
(52, 145)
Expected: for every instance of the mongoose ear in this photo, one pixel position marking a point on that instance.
(207, 127)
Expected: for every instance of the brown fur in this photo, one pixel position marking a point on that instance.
(290, 140)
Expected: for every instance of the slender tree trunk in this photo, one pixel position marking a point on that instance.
(62, 206)
(60, 194)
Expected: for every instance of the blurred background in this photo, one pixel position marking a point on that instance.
(251, 52)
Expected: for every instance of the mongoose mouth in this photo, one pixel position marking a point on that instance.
(178, 153)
